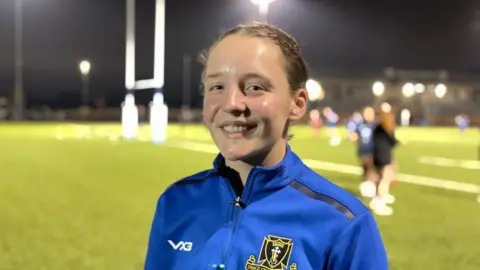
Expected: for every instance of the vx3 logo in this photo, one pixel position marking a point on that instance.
(182, 245)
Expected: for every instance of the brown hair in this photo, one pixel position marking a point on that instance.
(387, 120)
(296, 65)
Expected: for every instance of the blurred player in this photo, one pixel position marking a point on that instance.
(363, 132)
(352, 125)
(462, 122)
(384, 142)
(332, 119)
(315, 121)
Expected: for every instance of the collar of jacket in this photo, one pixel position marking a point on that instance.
(261, 179)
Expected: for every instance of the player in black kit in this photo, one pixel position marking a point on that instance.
(384, 142)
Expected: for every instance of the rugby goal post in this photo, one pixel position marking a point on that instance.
(157, 82)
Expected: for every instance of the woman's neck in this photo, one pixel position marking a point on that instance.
(269, 159)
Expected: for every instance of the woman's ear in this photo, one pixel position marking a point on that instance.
(299, 105)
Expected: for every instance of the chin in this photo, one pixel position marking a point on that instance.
(251, 154)
(241, 149)
(236, 152)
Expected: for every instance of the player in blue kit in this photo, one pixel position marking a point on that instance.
(332, 118)
(259, 206)
(462, 122)
(363, 131)
(352, 124)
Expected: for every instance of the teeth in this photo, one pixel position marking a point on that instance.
(235, 128)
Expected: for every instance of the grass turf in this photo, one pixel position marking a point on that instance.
(87, 204)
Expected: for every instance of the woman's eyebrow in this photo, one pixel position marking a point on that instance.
(253, 75)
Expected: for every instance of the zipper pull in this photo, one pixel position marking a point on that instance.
(218, 267)
(238, 202)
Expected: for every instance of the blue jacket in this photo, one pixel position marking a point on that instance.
(287, 217)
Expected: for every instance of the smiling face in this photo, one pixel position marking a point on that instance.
(248, 102)
(369, 114)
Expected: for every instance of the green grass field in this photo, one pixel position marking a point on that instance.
(68, 203)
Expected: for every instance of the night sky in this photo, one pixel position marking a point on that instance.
(336, 36)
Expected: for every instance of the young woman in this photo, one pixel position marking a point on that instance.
(259, 207)
(352, 124)
(315, 121)
(384, 141)
(331, 119)
(364, 136)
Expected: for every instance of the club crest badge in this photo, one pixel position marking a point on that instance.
(274, 255)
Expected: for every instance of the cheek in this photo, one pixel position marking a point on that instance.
(266, 109)
(209, 110)
(272, 108)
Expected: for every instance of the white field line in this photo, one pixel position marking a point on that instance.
(344, 168)
(349, 169)
(449, 162)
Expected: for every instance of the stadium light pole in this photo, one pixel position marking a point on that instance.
(408, 90)
(440, 90)
(419, 88)
(18, 95)
(85, 67)
(315, 91)
(378, 89)
(263, 7)
(187, 63)
(386, 107)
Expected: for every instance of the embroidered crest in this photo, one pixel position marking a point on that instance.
(274, 255)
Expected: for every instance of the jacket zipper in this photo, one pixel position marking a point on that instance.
(236, 213)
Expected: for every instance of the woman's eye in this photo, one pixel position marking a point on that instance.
(216, 87)
(254, 88)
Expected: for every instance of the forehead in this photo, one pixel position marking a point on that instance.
(241, 53)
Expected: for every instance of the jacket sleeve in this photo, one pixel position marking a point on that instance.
(359, 247)
(393, 139)
(154, 250)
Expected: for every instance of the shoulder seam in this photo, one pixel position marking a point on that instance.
(200, 176)
(311, 193)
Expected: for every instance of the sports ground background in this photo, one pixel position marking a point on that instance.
(76, 196)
